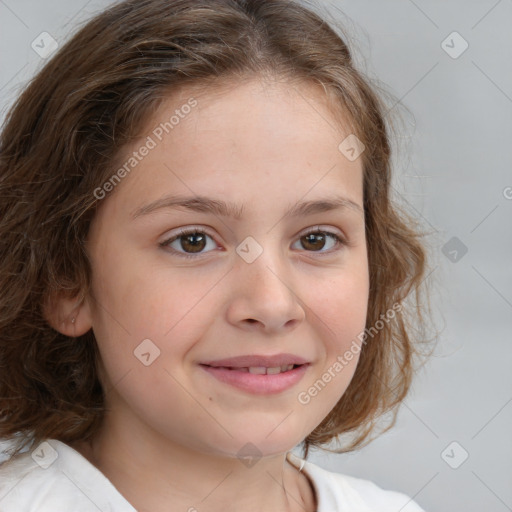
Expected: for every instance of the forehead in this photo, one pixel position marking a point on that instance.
(239, 139)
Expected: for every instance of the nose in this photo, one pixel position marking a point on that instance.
(263, 297)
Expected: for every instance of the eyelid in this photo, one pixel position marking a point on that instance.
(323, 229)
(184, 232)
(337, 234)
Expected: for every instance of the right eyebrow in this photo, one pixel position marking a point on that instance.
(219, 207)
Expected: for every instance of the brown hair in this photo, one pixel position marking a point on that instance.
(58, 145)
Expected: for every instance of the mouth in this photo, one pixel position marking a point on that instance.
(259, 374)
(259, 370)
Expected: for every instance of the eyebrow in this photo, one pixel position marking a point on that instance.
(219, 207)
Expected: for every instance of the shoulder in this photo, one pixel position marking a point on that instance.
(337, 491)
(55, 477)
(23, 483)
(375, 497)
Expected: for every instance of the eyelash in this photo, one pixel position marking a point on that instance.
(199, 231)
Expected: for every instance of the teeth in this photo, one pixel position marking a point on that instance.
(259, 370)
(262, 370)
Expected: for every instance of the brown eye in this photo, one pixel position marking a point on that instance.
(195, 242)
(189, 242)
(316, 241)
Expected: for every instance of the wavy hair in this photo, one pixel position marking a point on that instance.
(60, 141)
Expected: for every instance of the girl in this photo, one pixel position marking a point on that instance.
(201, 267)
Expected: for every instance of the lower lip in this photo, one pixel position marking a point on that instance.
(258, 384)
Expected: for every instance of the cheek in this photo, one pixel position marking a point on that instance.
(146, 298)
(342, 306)
(340, 309)
(147, 318)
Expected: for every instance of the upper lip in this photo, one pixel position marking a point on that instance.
(248, 361)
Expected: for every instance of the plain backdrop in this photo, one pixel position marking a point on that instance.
(449, 66)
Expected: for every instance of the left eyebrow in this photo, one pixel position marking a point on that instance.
(219, 207)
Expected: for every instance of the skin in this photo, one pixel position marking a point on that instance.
(172, 431)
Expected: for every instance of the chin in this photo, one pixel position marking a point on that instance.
(254, 446)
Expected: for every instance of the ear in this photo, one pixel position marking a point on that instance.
(69, 315)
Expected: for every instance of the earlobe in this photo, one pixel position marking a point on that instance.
(69, 316)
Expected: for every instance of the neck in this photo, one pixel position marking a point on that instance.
(151, 472)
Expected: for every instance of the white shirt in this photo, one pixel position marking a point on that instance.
(56, 478)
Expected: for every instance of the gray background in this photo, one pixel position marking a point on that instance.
(453, 171)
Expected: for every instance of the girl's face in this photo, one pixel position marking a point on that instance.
(261, 283)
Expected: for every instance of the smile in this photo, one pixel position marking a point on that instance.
(261, 380)
(261, 370)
